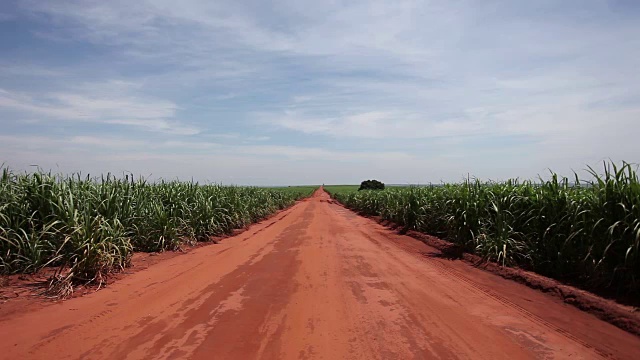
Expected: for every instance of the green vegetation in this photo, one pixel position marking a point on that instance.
(90, 227)
(334, 189)
(585, 232)
(295, 190)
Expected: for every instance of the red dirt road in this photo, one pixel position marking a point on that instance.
(315, 282)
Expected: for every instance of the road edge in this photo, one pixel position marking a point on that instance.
(624, 317)
(25, 290)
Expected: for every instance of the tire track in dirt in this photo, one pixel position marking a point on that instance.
(478, 288)
(317, 282)
(475, 286)
(380, 236)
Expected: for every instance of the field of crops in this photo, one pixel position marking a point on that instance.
(88, 227)
(584, 232)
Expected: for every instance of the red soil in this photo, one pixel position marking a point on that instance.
(317, 281)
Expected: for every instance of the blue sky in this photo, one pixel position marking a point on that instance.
(294, 92)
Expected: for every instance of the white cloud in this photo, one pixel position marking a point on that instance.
(244, 164)
(113, 102)
(496, 88)
(14, 69)
(376, 125)
(112, 144)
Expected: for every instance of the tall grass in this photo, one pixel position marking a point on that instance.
(585, 232)
(89, 227)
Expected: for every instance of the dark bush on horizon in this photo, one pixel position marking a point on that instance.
(582, 231)
(371, 185)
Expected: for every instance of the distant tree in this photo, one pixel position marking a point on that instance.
(371, 185)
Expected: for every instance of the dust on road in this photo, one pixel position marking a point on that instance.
(315, 282)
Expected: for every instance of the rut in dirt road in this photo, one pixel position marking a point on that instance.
(315, 282)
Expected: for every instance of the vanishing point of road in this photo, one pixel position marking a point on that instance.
(316, 281)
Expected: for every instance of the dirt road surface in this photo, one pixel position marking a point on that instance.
(315, 282)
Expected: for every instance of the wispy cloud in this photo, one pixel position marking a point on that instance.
(114, 102)
(139, 156)
(417, 90)
(8, 69)
(377, 125)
